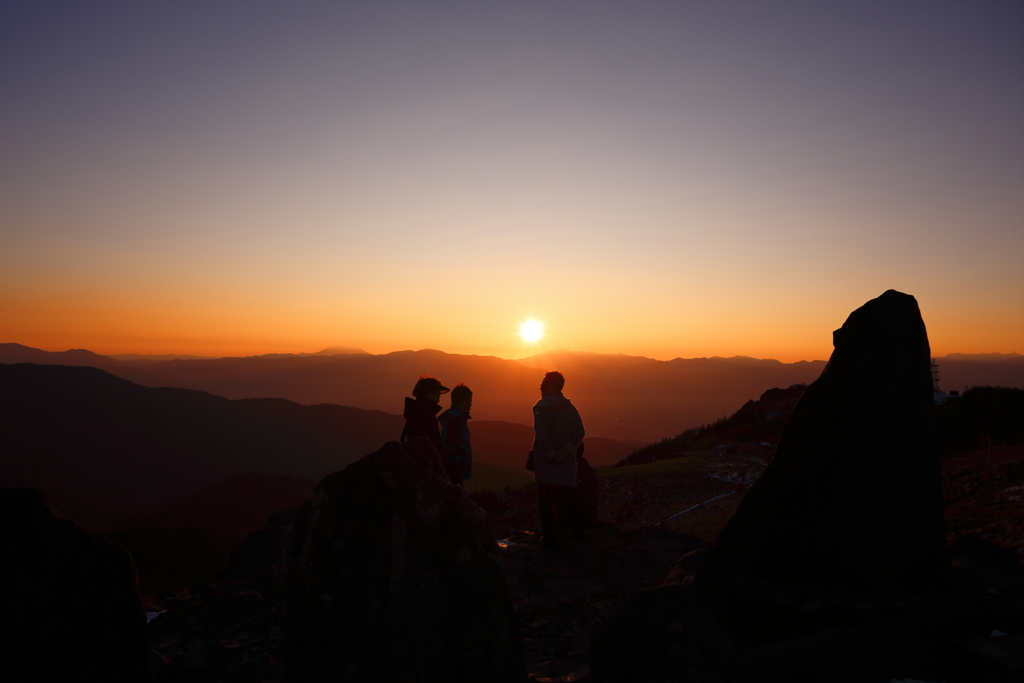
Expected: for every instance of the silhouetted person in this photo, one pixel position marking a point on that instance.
(558, 431)
(421, 411)
(458, 451)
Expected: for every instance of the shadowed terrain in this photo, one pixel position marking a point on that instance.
(109, 452)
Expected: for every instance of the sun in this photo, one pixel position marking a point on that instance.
(531, 331)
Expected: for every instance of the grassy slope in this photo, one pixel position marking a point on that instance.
(983, 470)
(984, 492)
(643, 495)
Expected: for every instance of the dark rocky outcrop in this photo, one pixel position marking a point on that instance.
(392, 575)
(562, 598)
(712, 625)
(228, 631)
(261, 553)
(72, 610)
(853, 494)
(833, 566)
(670, 633)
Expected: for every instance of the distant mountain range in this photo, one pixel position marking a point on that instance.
(330, 351)
(630, 399)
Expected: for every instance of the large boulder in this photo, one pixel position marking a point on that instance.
(392, 575)
(853, 495)
(72, 610)
(672, 633)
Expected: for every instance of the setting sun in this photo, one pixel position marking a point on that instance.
(531, 330)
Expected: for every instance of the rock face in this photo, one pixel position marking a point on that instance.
(229, 631)
(670, 633)
(72, 610)
(832, 568)
(392, 575)
(260, 555)
(853, 495)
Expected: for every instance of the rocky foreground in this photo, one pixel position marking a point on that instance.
(232, 631)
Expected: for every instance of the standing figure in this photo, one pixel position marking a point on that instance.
(458, 451)
(421, 411)
(558, 431)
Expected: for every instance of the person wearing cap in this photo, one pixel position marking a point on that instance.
(421, 411)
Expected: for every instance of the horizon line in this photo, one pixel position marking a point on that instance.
(359, 351)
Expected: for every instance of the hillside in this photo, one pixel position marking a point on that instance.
(102, 447)
(107, 450)
(981, 434)
(242, 502)
(754, 428)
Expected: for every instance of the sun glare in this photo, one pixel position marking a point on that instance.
(531, 330)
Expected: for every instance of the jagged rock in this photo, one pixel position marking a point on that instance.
(853, 495)
(670, 633)
(72, 610)
(392, 575)
(833, 567)
(664, 634)
(261, 553)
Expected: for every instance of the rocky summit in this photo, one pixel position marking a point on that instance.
(72, 609)
(854, 492)
(393, 575)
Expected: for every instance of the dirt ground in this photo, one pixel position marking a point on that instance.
(983, 490)
(984, 493)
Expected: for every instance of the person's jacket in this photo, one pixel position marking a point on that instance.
(556, 425)
(421, 420)
(458, 451)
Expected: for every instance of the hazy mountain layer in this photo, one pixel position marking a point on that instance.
(627, 398)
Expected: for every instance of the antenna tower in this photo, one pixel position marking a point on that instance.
(935, 376)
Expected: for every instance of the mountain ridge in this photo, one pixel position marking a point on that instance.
(625, 398)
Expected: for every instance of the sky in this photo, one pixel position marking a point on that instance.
(651, 178)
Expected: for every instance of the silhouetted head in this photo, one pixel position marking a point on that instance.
(553, 381)
(462, 397)
(429, 388)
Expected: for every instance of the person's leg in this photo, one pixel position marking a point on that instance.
(570, 513)
(560, 515)
(545, 506)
